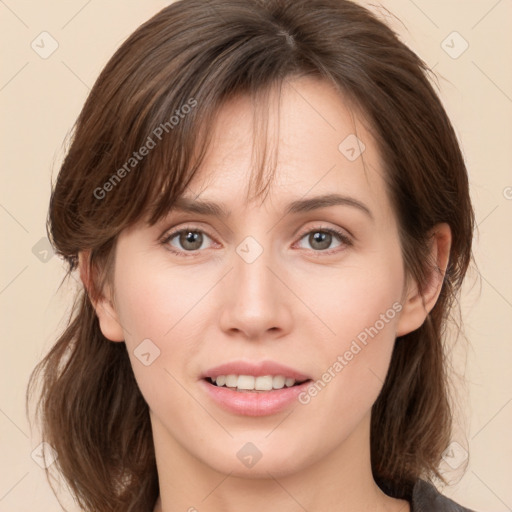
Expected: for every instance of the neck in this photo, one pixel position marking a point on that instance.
(341, 480)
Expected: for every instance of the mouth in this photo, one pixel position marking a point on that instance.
(254, 384)
(248, 388)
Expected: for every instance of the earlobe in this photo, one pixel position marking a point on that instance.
(102, 302)
(418, 303)
(108, 319)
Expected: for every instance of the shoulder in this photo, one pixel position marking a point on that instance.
(426, 498)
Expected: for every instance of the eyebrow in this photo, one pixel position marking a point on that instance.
(188, 205)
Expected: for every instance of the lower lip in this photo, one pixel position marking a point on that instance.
(262, 403)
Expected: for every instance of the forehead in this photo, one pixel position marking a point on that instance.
(313, 142)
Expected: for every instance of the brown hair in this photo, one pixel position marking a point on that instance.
(200, 54)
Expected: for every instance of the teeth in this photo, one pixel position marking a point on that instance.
(251, 383)
(245, 382)
(264, 383)
(278, 382)
(231, 381)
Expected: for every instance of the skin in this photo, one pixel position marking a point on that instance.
(294, 304)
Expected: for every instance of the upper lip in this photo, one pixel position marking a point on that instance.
(258, 369)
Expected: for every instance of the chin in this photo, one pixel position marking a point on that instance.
(261, 460)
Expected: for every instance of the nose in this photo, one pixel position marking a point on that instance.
(256, 301)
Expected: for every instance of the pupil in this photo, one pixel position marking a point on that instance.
(191, 237)
(322, 238)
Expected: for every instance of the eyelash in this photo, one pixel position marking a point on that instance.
(340, 234)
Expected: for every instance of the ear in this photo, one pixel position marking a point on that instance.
(418, 305)
(101, 301)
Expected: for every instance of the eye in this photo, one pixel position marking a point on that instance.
(187, 239)
(190, 239)
(321, 238)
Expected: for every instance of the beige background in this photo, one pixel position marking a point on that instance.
(41, 98)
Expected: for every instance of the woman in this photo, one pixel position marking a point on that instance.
(270, 215)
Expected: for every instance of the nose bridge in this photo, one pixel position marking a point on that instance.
(254, 302)
(253, 282)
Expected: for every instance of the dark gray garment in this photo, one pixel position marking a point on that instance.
(426, 498)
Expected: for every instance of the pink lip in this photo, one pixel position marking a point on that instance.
(262, 403)
(256, 369)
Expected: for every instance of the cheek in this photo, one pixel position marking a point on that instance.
(358, 354)
(163, 314)
(158, 350)
(360, 297)
(361, 309)
(154, 302)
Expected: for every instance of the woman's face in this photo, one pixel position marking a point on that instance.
(267, 285)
